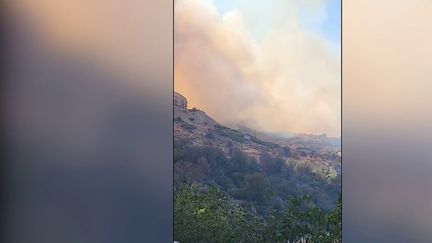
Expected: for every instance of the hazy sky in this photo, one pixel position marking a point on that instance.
(270, 65)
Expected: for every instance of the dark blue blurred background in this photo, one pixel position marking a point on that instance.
(88, 127)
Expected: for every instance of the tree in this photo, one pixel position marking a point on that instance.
(205, 215)
(270, 164)
(287, 151)
(335, 222)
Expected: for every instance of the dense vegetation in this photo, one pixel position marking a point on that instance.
(203, 214)
(226, 196)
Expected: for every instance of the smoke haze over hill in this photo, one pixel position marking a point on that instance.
(281, 78)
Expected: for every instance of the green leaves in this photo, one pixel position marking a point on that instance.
(335, 221)
(204, 214)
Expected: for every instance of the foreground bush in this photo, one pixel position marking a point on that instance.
(204, 214)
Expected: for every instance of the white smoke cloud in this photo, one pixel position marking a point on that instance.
(286, 79)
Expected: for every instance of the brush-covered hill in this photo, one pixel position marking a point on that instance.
(258, 170)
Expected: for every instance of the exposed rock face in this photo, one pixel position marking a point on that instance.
(180, 101)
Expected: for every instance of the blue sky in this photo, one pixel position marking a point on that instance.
(329, 28)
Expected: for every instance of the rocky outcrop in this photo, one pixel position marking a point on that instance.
(180, 101)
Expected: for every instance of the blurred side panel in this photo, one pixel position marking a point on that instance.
(88, 118)
(387, 121)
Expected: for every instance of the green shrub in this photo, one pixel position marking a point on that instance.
(204, 214)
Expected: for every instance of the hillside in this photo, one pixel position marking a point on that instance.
(259, 171)
(243, 185)
(319, 152)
